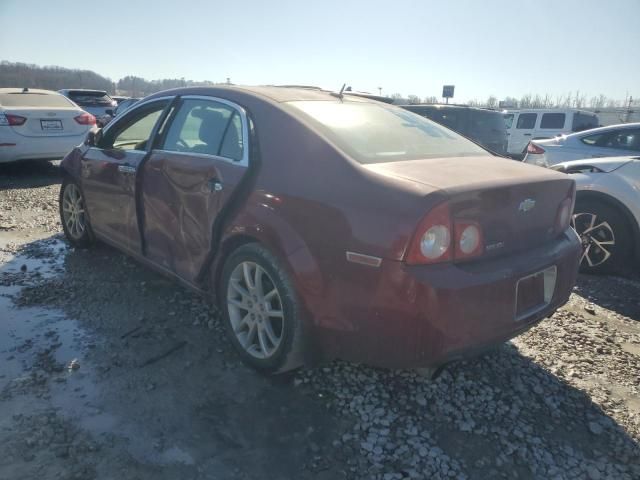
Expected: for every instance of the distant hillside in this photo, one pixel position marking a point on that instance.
(56, 78)
(50, 78)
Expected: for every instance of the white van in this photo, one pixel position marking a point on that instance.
(526, 125)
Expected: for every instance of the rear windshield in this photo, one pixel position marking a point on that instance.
(85, 99)
(584, 121)
(487, 123)
(47, 100)
(376, 133)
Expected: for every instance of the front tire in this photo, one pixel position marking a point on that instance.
(260, 310)
(73, 216)
(605, 235)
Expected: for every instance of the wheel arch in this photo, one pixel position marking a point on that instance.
(591, 195)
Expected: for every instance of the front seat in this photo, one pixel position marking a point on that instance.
(210, 133)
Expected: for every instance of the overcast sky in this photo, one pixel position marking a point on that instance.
(490, 47)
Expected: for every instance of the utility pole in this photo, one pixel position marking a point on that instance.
(380, 91)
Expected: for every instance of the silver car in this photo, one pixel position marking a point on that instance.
(611, 141)
(607, 212)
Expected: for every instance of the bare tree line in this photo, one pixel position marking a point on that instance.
(16, 74)
(56, 78)
(570, 100)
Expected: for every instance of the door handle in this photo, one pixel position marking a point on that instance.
(526, 134)
(126, 169)
(215, 185)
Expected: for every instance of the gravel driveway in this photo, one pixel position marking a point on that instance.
(110, 371)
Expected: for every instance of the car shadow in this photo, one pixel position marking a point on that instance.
(29, 174)
(173, 388)
(619, 294)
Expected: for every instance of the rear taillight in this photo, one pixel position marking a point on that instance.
(565, 210)
(468, 240)
(439, 239)
(12, 120)
(431, 241)
(534, 149)
(85, 119)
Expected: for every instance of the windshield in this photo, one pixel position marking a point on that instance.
(376, 133)
(47, 100)
(88, 98)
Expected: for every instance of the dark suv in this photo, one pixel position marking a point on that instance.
(481, 125)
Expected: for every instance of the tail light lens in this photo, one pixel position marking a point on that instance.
(438, 239)
(565, 210)
(431, 242)
(469, 241)
(85, 119)
(534, 149)
(12, 120)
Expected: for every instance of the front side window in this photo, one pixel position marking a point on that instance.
(552, 120)
(134, 130)
(206, 127)
(526, 121)
(377, 133)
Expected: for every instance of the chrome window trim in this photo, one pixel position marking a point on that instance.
(230, 161)
(244, 161)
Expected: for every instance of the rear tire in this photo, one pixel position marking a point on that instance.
(260, 310)
(605, 235)
(73, 216)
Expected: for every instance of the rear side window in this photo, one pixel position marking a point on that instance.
(206, 127)
(627, 139)
(552, 120)
(526, 121)
(45, 100)
(583, 121)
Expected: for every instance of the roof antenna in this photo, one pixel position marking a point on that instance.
(340, 95)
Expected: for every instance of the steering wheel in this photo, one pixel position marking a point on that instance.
(183, 144)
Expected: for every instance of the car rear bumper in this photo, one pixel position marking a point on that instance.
(18, 147)
(414, 316)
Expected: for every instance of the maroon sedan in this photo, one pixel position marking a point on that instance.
(327, 226)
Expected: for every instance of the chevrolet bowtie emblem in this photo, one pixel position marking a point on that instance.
(526, 205)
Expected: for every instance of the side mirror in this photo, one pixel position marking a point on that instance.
(93, 138)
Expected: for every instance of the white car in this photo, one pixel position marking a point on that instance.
(535, 124)
(39, 125)
(607, 212)
(612, 141)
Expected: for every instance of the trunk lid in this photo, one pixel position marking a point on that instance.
(47, 122)
(515, 204)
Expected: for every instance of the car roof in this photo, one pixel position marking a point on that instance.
(274, 93)
(594, 131)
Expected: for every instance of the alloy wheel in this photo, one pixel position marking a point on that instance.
(73, 211)
(597, 238)
(255, 310)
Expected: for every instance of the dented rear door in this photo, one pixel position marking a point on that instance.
(189, 179)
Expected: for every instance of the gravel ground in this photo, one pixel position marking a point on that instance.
(109, 370)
